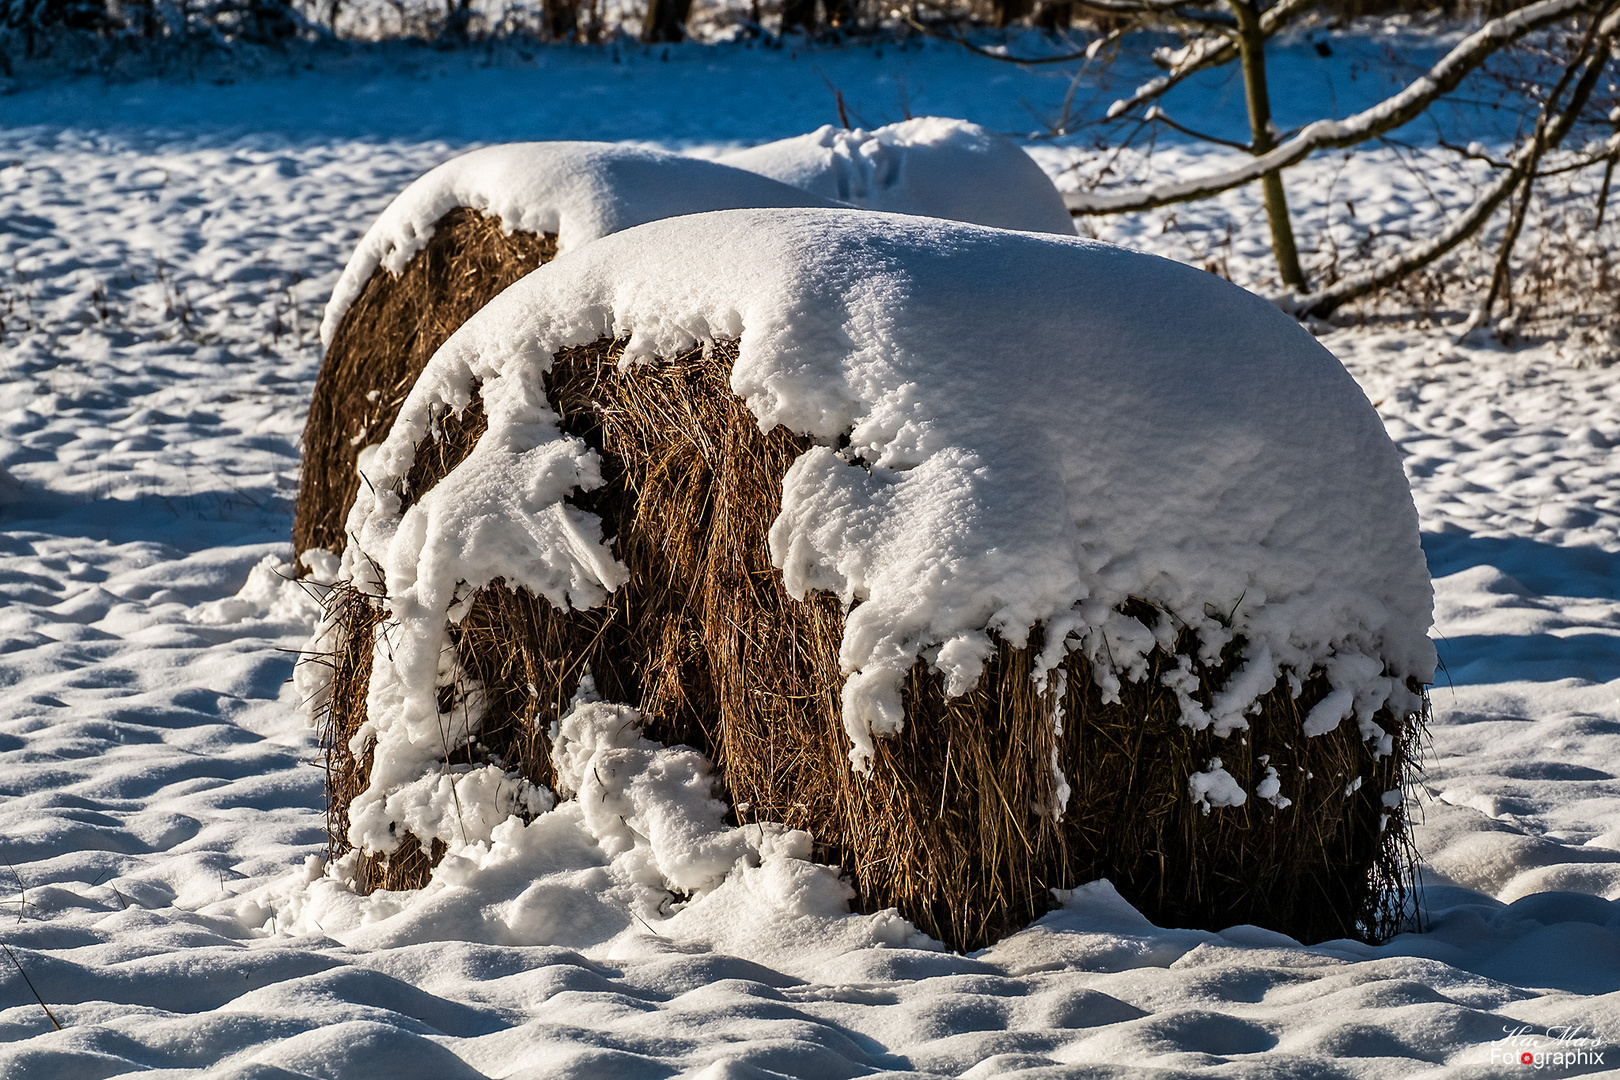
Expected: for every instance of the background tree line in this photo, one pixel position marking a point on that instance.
(32, 25)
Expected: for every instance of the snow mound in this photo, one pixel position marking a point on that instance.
(1016, 430)
(643, 848)
(578, 190)
(929, 166)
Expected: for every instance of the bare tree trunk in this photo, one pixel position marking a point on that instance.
(666, 20)
(1010, 11)
(458, 19)
(1262, 139)
(1603, 192)
(799, 15)
(561, 18)
(146, 17)
(1053, 15)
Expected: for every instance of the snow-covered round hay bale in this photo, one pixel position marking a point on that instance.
(932, 166)
(449, 243)
(998, 562)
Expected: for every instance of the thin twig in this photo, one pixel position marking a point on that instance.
(1325, 301)
(1159, 115)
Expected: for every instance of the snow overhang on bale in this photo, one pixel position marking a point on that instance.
(469, 228)
(449, 243)
(1026, 467)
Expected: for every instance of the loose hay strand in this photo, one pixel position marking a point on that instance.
(954, 825)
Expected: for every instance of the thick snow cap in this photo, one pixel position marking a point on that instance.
(931, 166)
(1015, 430)
(578, 190)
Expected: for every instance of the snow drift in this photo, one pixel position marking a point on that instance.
(930, 166)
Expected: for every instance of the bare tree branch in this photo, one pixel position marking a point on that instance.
(1474, 152)
(1583, 161)
(1208, 52)
(1387, 115)
(1546, 137)
(1324, 301)
(1155, 113)
(1575, 162)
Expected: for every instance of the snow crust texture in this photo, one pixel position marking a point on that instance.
(158, 808)
(1033, 430)
(932, 166)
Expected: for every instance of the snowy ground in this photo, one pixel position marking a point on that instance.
(164, 252)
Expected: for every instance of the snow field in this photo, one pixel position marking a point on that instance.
(160, 806)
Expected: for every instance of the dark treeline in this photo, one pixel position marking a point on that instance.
(32, 28)
(35, 25)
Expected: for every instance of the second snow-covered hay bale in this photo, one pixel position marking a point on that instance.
(449, 243)
(998, 562)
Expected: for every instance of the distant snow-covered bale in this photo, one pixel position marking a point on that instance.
(999, 562)
(575, 191)
(448, 243)
(931, 166)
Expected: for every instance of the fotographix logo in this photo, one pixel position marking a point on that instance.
(1571, 1046)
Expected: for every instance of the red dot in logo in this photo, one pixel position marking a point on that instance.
(1527, 1058)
